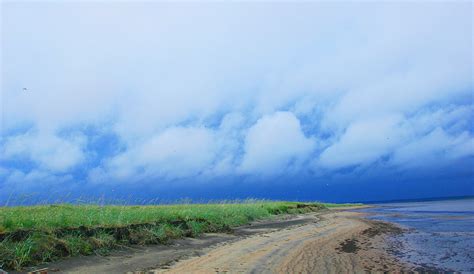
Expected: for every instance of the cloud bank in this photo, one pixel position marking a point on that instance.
(151, 93)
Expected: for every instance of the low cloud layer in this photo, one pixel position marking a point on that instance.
(152, 93)
(274, 144)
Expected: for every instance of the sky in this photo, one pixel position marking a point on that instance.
(329, 101)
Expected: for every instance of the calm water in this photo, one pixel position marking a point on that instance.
(441, 233)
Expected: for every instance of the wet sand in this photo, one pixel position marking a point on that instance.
(323, 242)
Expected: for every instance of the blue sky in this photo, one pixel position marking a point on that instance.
(314, 100)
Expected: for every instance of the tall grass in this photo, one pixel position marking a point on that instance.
(34, 234)
(67, 216)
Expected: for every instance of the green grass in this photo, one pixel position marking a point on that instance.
(67, 216)
(36, 234)
(330, 205)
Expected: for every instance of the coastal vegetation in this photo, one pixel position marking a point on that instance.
(31, 235)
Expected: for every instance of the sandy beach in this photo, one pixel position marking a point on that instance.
(331, 242)
(337, 242)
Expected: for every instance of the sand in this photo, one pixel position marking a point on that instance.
(324, 242)
(337, 242)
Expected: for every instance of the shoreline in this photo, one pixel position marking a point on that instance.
(334, 240)
(341, 241)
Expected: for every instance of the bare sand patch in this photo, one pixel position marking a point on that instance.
(335, 242)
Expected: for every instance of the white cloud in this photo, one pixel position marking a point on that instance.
(354, 73)
(48, 151)
(174, 153)
(452, 118)
(363, 142)
(435, 149)
(135, 72)
(420, 140)
(275, 143)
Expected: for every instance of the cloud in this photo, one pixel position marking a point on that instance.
(48, 151)
(193, 91)
(435, 149)
(275, 143)
(363, 143)
(431, 135)
(174, 153)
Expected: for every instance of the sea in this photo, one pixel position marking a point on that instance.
(440, 234)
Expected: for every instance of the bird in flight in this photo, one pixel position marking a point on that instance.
(25, 89)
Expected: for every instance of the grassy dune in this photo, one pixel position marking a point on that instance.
(36, 234)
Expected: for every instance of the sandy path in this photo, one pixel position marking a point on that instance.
(322, 246)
